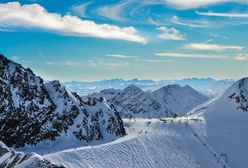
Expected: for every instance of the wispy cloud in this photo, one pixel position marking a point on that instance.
(64, 63)
(212, 47)
(13, 14)
(170, 33)
(191, 4)
(191, 23)
(120, 56)
(154, 61)
(110, 65)
(80, 10)
(231, 15)
(114, 11)
(187, 55)
(242, 57)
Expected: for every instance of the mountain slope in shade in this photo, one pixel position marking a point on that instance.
(168, 101)
(10, 158)
(178, 99)
(33, 112)
(226, 124)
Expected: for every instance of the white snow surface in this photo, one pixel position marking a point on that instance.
(149, 143)
(227, 124)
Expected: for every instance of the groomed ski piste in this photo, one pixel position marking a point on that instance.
(169, 142)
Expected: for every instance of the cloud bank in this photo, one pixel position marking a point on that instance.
(15, 15)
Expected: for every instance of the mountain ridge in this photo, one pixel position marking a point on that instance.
(33, 111)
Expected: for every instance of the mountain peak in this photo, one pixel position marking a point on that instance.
(133, 88)
(238, 93)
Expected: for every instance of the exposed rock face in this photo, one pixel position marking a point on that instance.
(31, 111)
(240, 95)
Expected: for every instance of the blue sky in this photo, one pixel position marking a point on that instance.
(149, 39)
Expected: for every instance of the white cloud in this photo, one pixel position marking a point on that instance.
(187, 55)
(190, 4)
(119, 56)
(13, 14)
(231, 15)
(80, 9)
(170, 33)
(213, 47)
(242, 57)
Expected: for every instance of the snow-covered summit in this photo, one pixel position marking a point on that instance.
(178, 99)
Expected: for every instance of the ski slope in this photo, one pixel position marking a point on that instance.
(149, 143)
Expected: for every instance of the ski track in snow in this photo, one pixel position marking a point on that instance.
(157, 144)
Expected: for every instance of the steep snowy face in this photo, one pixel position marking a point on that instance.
(11, 158)
(32, 112)
(178, 99)
(231, 103)
(227, 122)
(133, 102)
(240, 94)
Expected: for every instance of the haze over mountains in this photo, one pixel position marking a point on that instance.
(207, 86)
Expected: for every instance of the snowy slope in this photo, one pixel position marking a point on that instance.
(227, 122)
(149, 143)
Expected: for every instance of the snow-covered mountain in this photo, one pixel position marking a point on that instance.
(10, 158)
(211, 135)
(178, 99)
(33, 112)
(226, 125)
(168, 101)
(134, 102)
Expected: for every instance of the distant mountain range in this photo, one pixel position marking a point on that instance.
(207, 86)
(168, 101)
(35, 112)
